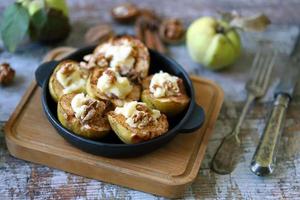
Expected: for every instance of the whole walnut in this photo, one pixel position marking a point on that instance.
(172, 30)
(7, 74)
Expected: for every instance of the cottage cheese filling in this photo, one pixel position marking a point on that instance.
(71, 78)
(114, 85)
(163, 85)
(120, 56)
(137, 114)
(79, 104)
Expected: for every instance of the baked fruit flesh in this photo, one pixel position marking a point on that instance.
(102, 93)
(135, 122)
(165, 93)
(84, 115)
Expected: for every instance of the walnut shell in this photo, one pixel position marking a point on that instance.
(125, 13)
(172, 31)
(7, 74)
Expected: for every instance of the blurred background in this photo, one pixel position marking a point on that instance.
(19, 179)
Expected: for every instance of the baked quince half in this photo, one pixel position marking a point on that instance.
(83, 115)
(126, 54)
(165, 93)
(108, 84)
(68, 77)
(135, 122)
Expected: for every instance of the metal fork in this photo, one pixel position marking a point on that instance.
(227, 155)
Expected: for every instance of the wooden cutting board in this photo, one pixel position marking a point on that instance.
(167, 171)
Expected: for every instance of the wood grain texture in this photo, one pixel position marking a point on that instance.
(167, 171)
(24, 180)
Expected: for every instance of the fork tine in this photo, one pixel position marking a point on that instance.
(269, 71)
(255, 69)
(258, 71)
(265, 65)
(255, 63)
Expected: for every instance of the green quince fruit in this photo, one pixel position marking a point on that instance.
(49, 20)
(34, 6)
(213, 43)
(59, 5)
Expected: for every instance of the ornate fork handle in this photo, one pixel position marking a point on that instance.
(228, 153)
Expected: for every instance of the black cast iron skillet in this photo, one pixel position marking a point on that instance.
(111, 146)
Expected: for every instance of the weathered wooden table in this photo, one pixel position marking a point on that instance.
(24, 180)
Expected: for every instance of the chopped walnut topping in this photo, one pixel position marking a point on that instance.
(121, 55)
(68, 69)
(142, 119)
(112, 76)
(138, 115)
(91, 61)
(89, 115)
(133, 75)
(112, 95)
(111, 84)
(94, 108)
(134, 52)
(171, 89)
(155, 86)
(141, 107)
(85, 108)
(163, 85)
(71, 77)
(90, 111)
(102, 62)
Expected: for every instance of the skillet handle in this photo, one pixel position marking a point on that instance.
(196, 120)
(44, 71)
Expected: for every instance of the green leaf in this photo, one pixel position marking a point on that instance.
(39, 19)
(14, 25)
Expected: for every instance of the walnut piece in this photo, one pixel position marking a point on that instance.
(111, 75)
(93, 108)
(91, 60)
(172, 30)
(7, 74)
(68, 69)
(171, 89)
(125, 13)
(142, 119)
(140, 107)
